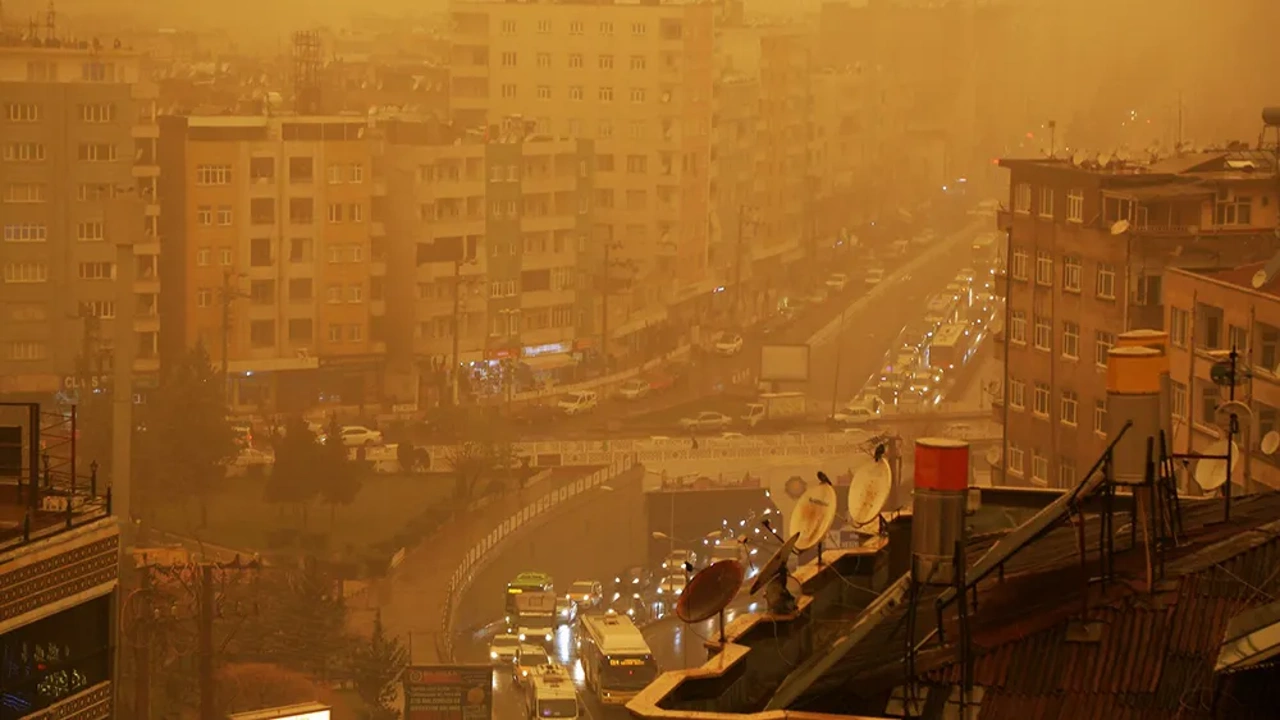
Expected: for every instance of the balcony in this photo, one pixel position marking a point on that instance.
(145, 171)
(547, 223)
(469, 71)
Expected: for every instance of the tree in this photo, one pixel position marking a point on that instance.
(339, 479)
(299, 464)
(376, 664)
(188, 440)
(484, 450)
(244, 687)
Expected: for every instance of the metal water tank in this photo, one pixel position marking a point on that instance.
(1157, 340)
(941, 495)
(1133, 396)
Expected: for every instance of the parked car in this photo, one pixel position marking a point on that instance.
(728, 344)
(577, 403)
(634, 389)
(357, 435)
(858, 413)
(706, 420)
(875, 276)
(837, 281)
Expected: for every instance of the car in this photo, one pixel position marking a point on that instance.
(909, 350)
(566, 611)
(534, 414)
(875, 276)
(536, 629)
(528, 659)
(837, 281)
(676, 559)
(630, 604)
(816, 296)
(673, 585)
(706, 420)
(727, 550)
(632, 579)
(967, 274)
(731, 436)
(634, 389)
(859, 414)
(503, 648)
(728, 344)
(251, 461)
(578, 403)
(922, 383)
(586, 593)
(357, 435)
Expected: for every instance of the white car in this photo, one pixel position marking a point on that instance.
(837, 281)
(577, 403)
(706, 420)
(672, 585)
(875, 276)
(537, 632)
(633, 389)
(356, 435)
(528, 659)
(728, 344)
(855, 414)
(503, 648)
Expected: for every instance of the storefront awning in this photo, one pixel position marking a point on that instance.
(550, 361)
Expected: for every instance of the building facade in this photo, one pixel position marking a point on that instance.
(276, 264)
(1089, 244)
(637, 80)
(78, 178)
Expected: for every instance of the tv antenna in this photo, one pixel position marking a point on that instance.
(868, 492)
(813, 515)
(774, 576)
(710, 592)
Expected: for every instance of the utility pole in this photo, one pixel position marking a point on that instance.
(207, 613)
(604, 307)
(142, 656)
(737, 272)
(123, 221)
(457, 310)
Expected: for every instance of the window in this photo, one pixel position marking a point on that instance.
(1235, 211)
(262, 292)
(575, 27)
(355, 294)
(605, 129)
(508, 90)
(203, 257)
(575, 60)
(1100, 417)
(1019, 268)
(96, 152)
(24, 152)
(91, 231)
(1210, 398)
(508, 27)
(204, 215)
(224, 215)
(1106, 282)
(606, 62)
(334, 173)
(1179, 327)
(1066, 472)
(637, 95)
(1040, 400)
(97, 271)
(508, 59)
(333, 294)
(637, 62)
(1044, 333)
(1045, 208)
(300, 250)
(1044, 268)
(335, 212)
(355, 333)
(1039, 467)
(1238, 339)
(575, 92)
(260, 252)
(543, 60)
(1022, 198)
(636, 164)
(606, 94)
(1070, 407)
(224, 257)
(544, 27)
(606, 28)
(300, 289)
(1070, 340)
(355, 213)
(1018, 327)
(24, 193)
(544, 92)
(301, 210)
(638, 29)
(22, 112)
(357, 253)
(262, 211)
(1268, 340)
(1209, 326)
(1102, 343)
(213, 174)
(1075, 206)
(26, 232)
(335, 253)
(26, 272)
(21, 350)
(86, 192)
(1071, 273)
(300, 330)
(98, 72)
(1015, 459)
(262, 333)
(335, 333)
(1178, 399)
(1017, 394)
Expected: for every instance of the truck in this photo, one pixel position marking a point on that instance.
(535, 617)
(775, 408)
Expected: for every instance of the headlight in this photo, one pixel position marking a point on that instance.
(547, 637)
(659, 591)
(632, 612)
(493, 655)
(635, 581)
(522, 637)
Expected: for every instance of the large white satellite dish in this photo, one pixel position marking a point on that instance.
(868, 492)
(813, 515)
(1211, 474)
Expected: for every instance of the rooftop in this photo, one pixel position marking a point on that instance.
(1239, 163)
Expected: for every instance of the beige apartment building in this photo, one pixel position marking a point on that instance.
(1090, 245)
(78, 178)
(1207, 313)
(274, 262)
(635, 78)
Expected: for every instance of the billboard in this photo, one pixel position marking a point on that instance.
(784, 363)
(448, 692)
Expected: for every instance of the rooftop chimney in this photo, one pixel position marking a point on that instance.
(938, 513)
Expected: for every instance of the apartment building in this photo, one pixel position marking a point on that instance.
(1090, 241)
(637, 80)
(734, 146)
(78, 180)
(275, 263)
(1207, 313)
(837, 154)
(497, 226)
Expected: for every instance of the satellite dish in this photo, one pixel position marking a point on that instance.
(1104, 160)
(777, 563)
(868, 492)
(813, 515)
(1122, 155)
(1259, 279)
(1211, 474)
(1120, 227)
(1077, 158)
(710, 591)
(1270, 442)
(1268, 271)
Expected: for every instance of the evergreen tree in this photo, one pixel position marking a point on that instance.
(339, 479)
(376, 664)
(299, 464)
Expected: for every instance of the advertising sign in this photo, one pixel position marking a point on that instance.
(448, 692)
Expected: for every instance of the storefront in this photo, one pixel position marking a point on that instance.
(548, 364)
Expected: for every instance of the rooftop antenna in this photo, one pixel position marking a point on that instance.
(710, 592)
(814, 514)
(51, 23)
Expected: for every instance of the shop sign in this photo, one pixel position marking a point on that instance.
(547, 349)
(77, 382)
(501, 353)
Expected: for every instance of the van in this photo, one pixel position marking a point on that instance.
(577, 403)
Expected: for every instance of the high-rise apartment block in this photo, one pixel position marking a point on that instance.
(1089, 243)
(637, 80)
(78, 180)
(275, 262)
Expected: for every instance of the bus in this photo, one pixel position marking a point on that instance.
(551, 694)
(524, 582)
(615, 658)
(942, 309)
(950, 347)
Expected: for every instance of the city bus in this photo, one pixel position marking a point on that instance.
(524, 582)
(949, 348)
(615, 658)
(942, 309)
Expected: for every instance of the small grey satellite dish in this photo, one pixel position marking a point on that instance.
(1104, 160)
(1270, 442)
(1120, 227)
(1077, 158)
(1122, 155)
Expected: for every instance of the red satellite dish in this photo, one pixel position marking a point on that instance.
(710, 591)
